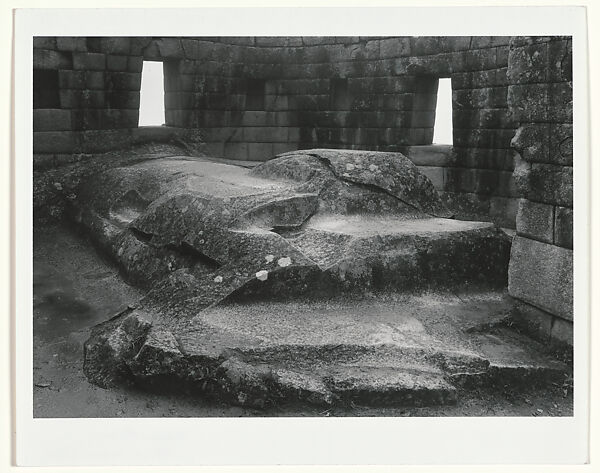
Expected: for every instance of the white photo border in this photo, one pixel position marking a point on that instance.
(324, 441)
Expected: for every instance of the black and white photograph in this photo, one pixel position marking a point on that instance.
(303, 226)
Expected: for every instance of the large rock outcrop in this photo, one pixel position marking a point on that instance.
(314, 223)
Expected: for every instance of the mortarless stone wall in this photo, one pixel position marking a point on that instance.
(540, 98)
(252, 98)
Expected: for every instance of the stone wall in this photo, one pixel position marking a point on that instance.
(251, 98)
(540, 98)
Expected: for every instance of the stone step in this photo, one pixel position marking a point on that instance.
(385, 350)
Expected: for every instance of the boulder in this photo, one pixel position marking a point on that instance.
(312, 225)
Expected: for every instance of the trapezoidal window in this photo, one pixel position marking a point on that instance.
(152, 95)
(442, 129)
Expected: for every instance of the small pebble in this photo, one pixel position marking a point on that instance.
(269, 258)
(349, 166)
(262, 275)
(283, 262)
(218, 279)
(373, 168)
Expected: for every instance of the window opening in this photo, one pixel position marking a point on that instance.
(152, 95)
(442, 130)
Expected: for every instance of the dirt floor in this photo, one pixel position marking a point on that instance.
(74, 289)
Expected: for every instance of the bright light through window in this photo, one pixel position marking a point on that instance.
(152, 95)
(442, 130)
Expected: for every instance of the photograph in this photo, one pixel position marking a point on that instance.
(302, 226)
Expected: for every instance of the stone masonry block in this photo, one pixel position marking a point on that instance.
(116, 63)
(563, 227)
(394, 47)
(293, 134)
(123, 99)
(51, 120)
(528, 64)
(71, 98)
(71, 43)
(560, 61)
(123, 81)
(545, 183)
(532, 320)
(482, 138)
(484, 98)
(265, 134)
(542, 275)
(257, 118)
(455, 43)
(560, 102)
(115, 45)
(100, 141)
(561, 144)
(460, 180)
(562, 331)
(425, 45)
(46, 59)
(81, 80)
(439, 65)
(215, 148)
(545, 143)
(494, 118)
(502, 56)
(462, 80)
(532, 142)
(89, 61)
(435, 174)
(135, 63)
(43, 161)
(71, 79)
(535, 221)
(279, 148)
(503, 211)
(104, 119)
(248, 40)
(489, 41)
(528, 102)
(519, 41)
(170, 48)
(260, 151)
(44, 42)
(430, 155)
(236, 151)
(480, 79)
(502, 159)
(138, 43)
(54, 142)
(480, 59)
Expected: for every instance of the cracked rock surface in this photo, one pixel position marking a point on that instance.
(307, 225)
